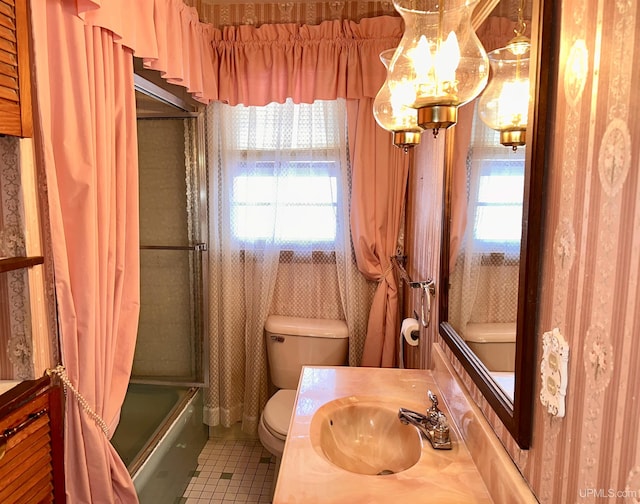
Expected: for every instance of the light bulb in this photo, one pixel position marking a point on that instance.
(504, 104)
(441, 57)
(390, 109)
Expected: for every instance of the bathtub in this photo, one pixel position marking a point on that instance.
(159, 437)
(505, 380)
(493, 343)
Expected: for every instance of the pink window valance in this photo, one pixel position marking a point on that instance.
(335, 59)
(166, 34)
(247, 64)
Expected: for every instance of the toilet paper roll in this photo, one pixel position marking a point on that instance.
(410, 331)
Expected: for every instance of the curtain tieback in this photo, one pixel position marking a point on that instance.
(386, 272)
(61, 372)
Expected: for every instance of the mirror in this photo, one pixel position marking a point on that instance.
(489, 272)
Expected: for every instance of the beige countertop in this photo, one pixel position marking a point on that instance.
(6, 385)
(306, 476)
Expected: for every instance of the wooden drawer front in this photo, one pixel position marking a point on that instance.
(26, 467)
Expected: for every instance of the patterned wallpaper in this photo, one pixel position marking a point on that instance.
(590, 284)
(223, 13)
(16, 348)
(592, 259)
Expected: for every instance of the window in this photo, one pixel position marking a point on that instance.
(284, 168)
(498, 216)
(496, 187)
(296, 203)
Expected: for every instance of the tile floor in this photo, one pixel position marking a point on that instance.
(231, 470)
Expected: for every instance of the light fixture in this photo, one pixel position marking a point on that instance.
(439, 59)
(504, 104)
(390, 110)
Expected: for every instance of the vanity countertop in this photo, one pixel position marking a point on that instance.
(306, 476)
(6, 385)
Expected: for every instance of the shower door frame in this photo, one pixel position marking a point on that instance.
(186, 109)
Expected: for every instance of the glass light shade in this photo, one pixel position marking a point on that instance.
(390, 111)
(440, 58)
(504, 104)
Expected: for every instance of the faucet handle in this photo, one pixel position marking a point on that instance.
(434, 400)
(439, 431)
(433, 412)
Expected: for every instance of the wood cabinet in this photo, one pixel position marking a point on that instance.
(31, 443)
(15, 83)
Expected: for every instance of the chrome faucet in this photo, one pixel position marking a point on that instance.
(434, 425)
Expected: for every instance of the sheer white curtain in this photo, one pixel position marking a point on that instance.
(484, 282)
(279, 240)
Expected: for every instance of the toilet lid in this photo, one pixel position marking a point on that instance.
(277, 413)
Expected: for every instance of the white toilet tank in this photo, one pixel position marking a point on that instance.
(293, 342)
(493, 343)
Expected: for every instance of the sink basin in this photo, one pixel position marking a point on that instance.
(364, 435)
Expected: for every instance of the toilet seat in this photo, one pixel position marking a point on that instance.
(277, 413)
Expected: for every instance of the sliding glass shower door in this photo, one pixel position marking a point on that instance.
(170, 346)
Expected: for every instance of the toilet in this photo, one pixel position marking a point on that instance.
(494, 344)
(293, 342)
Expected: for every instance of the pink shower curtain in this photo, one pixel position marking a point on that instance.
(336, 59)
(86, 139)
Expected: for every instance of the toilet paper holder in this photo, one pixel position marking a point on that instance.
(428, 290)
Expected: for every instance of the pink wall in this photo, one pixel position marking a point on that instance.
(590, 286)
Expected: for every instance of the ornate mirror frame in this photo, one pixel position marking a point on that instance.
(517, 414)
